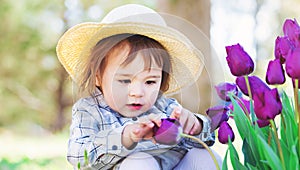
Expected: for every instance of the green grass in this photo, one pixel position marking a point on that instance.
(26, 163)
(33, 151)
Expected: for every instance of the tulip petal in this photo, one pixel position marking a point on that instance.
(267, 104)
(282, 48)
(224, 88)
(292, 64)
(168, 133)
(291, 29)
(239, 62)
(275, 73)
(218, 114)
(256, 84)
(225, 132)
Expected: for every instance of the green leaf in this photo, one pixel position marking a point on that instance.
(86, 160)
(251, 167)
(270, 156)
(234, 157)
(257, 150)
(289, 129)
(224, 164)
(294, 159)
(78, 165)
(240, 118)
(248, 154)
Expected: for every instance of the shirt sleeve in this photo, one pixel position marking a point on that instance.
(103, 145)
(205, 135)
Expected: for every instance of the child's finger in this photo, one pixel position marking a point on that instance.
(194, 129)
(144, 121)
(156, 118)
(136, 131)
(176, 113)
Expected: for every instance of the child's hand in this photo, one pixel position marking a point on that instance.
(189, 122)
(142, 130)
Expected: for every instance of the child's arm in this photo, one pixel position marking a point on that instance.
(96, 131)
(102, 136)
(87, 135)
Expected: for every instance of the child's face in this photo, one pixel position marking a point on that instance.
(130, 90)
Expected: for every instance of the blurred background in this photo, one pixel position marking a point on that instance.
(36, 93)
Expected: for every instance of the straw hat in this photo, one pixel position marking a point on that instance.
(75, 45)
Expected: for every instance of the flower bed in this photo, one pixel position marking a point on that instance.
(254, 105)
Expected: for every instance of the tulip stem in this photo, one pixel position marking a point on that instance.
(297, 112)
(254, 120)
(205, 146)
(277, 142)
(296, 100)
(248, 87)
(243, 106)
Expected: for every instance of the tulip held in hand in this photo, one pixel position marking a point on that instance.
(169, 132)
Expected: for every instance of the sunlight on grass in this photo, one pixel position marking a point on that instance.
(34, 152)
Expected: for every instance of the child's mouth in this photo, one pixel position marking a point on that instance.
(135, 106)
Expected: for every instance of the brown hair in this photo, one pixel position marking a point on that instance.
(152, 51)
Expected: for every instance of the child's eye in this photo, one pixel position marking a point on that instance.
(126, 81)
(150, 82)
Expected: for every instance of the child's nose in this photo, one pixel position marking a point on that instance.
(136, 90)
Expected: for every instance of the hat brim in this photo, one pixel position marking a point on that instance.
(74, 47)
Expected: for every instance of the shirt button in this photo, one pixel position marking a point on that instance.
(134, 119)
(114, 147)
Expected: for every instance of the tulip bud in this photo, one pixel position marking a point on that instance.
(267, 104)
(168, 133)
(282, 47)
(275, 73)
(224, 88)
(218, 114)
(225, 132)
(292, 64)
(239, 62)
(291, 29)
(256, 84)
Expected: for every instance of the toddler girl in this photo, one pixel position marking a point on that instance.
(123, 68)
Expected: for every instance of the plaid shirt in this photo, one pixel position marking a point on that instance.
(97, 129)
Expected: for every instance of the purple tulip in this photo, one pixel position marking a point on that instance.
(282, 47)
(267, 104)
(169, 132)
(225, 132)
(291, 29)
(275, 73)
(224, 88)
(239, 62)
(218, 114)
(292, 64)
(245, 102)
(263, 123)
(256, 84)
